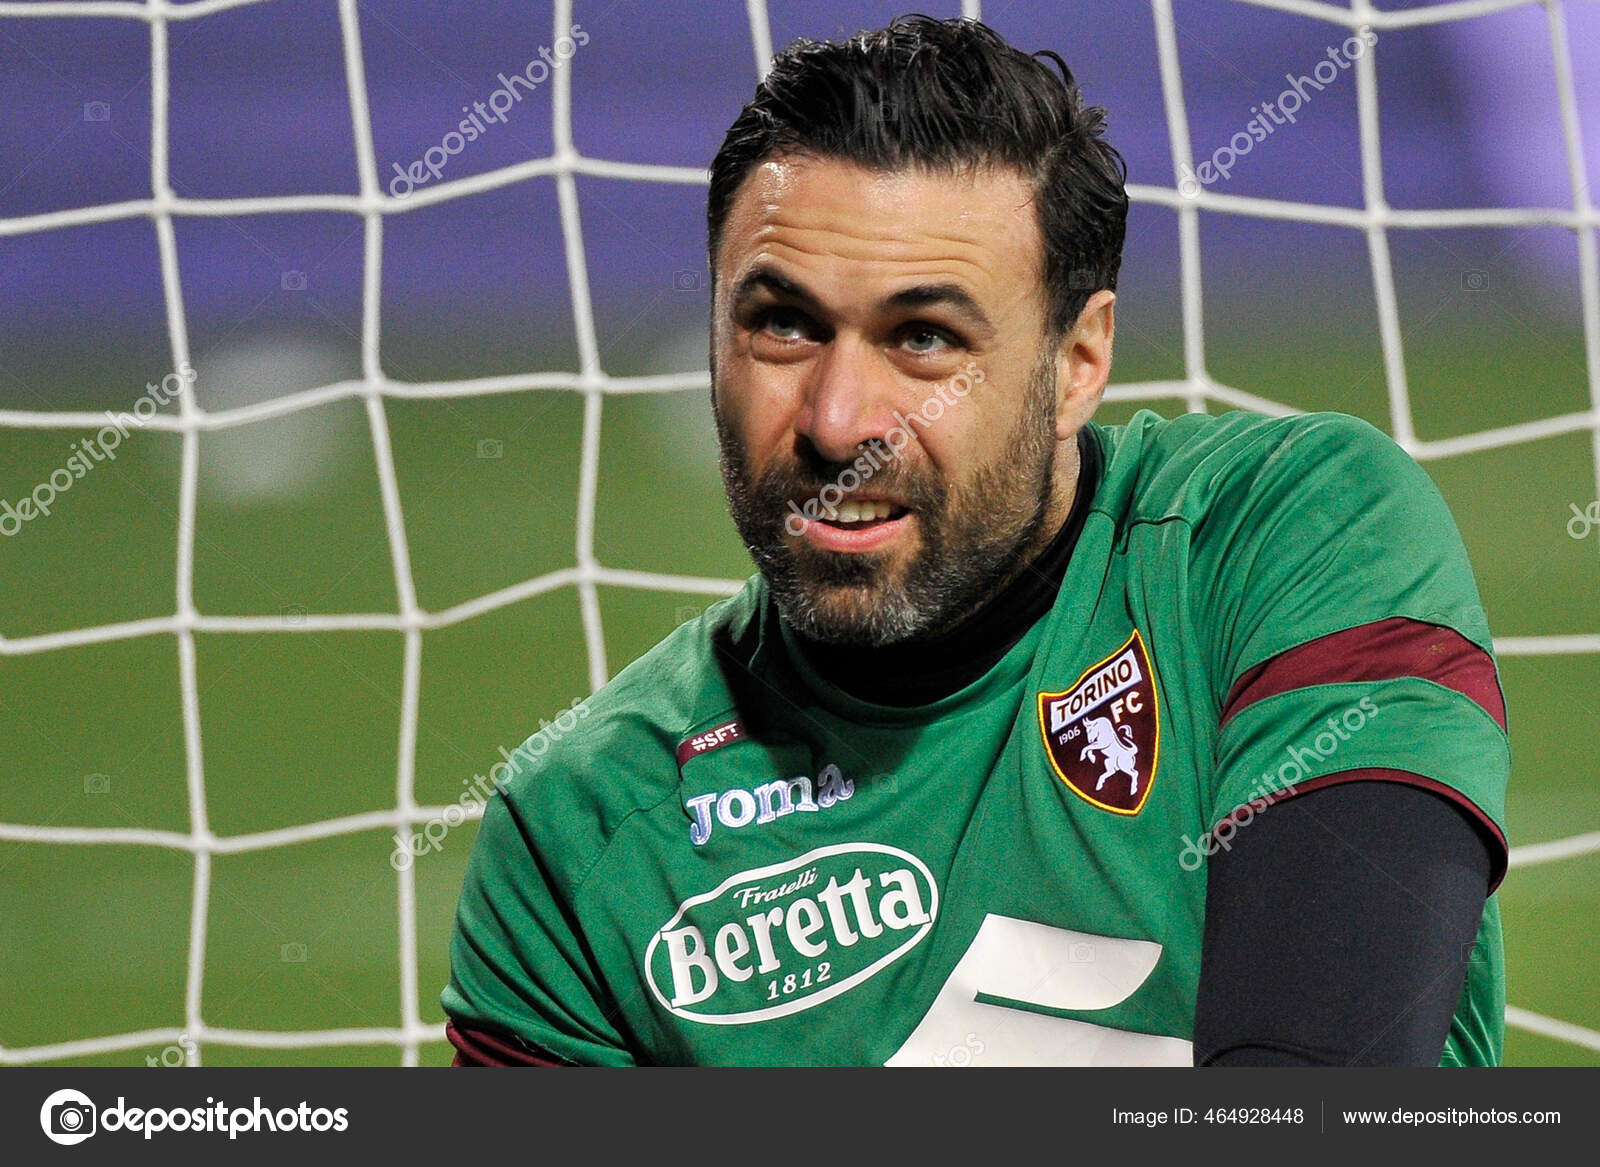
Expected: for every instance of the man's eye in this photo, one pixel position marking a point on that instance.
(785, 324)
(925, 340)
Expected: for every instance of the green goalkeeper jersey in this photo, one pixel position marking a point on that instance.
(732, 862)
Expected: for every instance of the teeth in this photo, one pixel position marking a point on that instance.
(867, 510)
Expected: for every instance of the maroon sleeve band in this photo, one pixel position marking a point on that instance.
(1381, 651)
(479, 1047)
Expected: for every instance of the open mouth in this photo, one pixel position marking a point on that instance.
(856, 525)
(862, 514)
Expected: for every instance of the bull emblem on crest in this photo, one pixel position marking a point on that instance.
(1121, 754)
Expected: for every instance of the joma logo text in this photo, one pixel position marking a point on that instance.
(764, 804)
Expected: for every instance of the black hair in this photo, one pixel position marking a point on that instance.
(945, 95)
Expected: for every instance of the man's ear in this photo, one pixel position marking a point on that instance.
(1083, 364)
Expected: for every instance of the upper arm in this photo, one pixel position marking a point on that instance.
(518, 960)
(1361, 759)
(1345, 631)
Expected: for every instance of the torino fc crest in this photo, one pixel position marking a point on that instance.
(1103, 735)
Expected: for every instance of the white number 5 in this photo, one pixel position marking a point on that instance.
(1055, 968)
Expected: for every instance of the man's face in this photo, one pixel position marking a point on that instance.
(878, 344)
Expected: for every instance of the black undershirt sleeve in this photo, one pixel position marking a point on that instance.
(1339, 924)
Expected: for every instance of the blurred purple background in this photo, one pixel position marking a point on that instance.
(1469, 116)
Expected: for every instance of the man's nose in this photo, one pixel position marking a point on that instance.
(849, 400)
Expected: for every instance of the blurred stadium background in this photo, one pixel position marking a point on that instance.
(515, 349)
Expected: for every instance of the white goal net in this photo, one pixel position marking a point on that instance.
(1374, 220)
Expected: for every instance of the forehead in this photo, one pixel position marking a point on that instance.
(825, 215)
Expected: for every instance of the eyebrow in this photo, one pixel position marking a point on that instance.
(952, 296)
(948, 295)
(764, 278)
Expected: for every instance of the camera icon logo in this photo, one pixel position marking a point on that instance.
(1475, 953)
(294, 281)
(491, 448)
(687, 280)
(96, 111)
(1189, 185)
(68, 1117)
(97, 784)
(292, 953)
(1475, 280)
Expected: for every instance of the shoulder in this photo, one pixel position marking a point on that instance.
(1288, 528)
(568, 788)
(1197, 467)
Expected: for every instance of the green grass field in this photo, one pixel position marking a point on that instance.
(303, 726)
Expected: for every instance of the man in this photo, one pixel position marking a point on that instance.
(1034, 741)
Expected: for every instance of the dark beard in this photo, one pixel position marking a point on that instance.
(974, 539)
